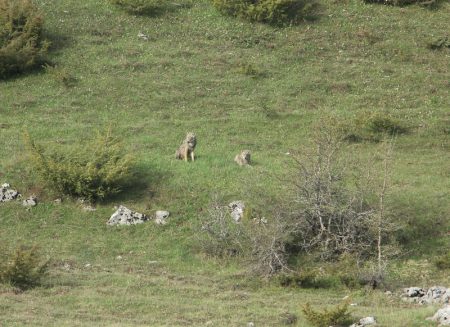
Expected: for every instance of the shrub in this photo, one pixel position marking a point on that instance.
(402, 2)
(443, 262)
(221, 236)
(373, 127)
(93, 172)
(21, 43)
(261, 242)
(24, 268)
(147, 7)
(276, 12)
(338, 316)
(332, 217)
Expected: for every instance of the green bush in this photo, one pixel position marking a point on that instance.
(93, 171)
(148, 7)
(24, 268)
(338, 316)
(443, 262)
(373, 127)
(276, 12)
(21, 43)
(402, 2)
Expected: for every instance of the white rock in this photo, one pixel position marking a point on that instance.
(366, 321)
(88, 208)
(124, 216)
(414, 292)
(442, 316)
(30, 202)
(7, 193)
(161, 217)
(237, 210)
(436, 294)
(142, 36)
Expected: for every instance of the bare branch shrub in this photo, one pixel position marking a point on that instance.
(333, 215)
(269, 246)
(337, 208)
(262, 242)
(221, 235)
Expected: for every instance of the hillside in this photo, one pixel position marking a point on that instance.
(237, 85)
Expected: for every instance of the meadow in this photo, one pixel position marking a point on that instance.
(237, 85)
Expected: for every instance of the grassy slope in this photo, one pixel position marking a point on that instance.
(357, 58)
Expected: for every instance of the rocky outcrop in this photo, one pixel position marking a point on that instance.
(434, 295)
(125, 216)
(7, 193)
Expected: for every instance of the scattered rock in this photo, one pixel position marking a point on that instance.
(434, 295)
(161, 217)
(442, 316)
(7, 193)
(413, 294)
(237, 210)
(88, 208)
(366, 321)
(142, 36)
(125, 216)
(88, 265)
(30, 202)
(251, 324)
(57, 201)
(119, 257)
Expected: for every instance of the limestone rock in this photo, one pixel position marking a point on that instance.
(442, 316)
(366, 321)
(161, 217)
(88, 208)
(413, 294)
(125, 216)
(436, 294)
(30, 202)
(237, 210)
(7, 193)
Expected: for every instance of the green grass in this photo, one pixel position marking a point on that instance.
(356, 59)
